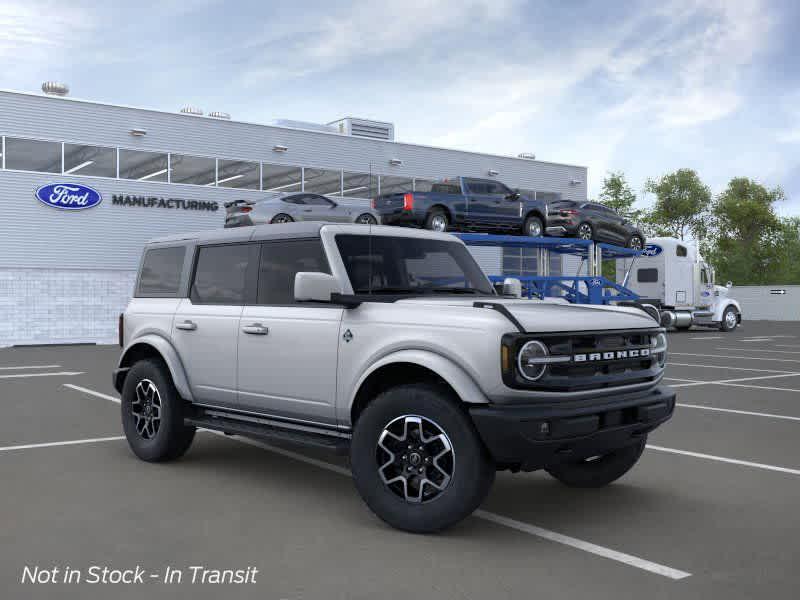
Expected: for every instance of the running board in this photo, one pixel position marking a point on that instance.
(333, 441)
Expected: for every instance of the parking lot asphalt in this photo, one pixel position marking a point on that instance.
(710, 511)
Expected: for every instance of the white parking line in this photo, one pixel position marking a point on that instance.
(791, 360)
(547, 534)
(731, 381)
(760, 350)
(761, 387)
(30, 367)
(707, 337)
(759, 339)
(92, 392)
(115, 438)
(733, 461)
(670, 363)
(20, 375)
(738, 412)
(786, 345)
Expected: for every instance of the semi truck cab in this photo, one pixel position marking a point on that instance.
(671, 275)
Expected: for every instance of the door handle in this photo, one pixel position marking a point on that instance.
(256, 329)
(186, 326)
(308, 209)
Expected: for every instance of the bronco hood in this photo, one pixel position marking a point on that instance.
(543, 316)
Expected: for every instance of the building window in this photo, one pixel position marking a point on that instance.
(144, 166)
(359, 185)
(323, 181)
(280, 178)
(396, 185)
(195, 170)
(33, 155)
(238, 174)
(90, 160)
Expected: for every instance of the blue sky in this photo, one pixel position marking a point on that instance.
(642, 87)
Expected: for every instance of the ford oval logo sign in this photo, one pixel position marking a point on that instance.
(652, 250)
(68, 196)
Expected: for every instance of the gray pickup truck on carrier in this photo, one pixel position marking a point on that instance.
(389, 344)
(465, 203)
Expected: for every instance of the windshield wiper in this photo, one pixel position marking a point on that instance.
(459, 290)
(388, 290)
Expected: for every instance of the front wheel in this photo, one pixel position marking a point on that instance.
(598, 471)
(729, 319)
(152, 413)
(533, 227)
(417, 460)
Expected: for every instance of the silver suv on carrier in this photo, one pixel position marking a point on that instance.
(388, 344)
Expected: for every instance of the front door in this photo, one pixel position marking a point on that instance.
(205, 329)
(288, 350)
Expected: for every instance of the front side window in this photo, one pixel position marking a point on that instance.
(161, 272)
(281, 261)
(680, 251)
(477, 187)
(219, 276)
(33, 155)
(703, 276)
(318, 200)
(401, 265)
(497, 188)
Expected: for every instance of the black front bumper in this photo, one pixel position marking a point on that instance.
(531, 437)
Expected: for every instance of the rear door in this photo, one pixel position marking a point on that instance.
(288, 350)
(206, 324)
(489, 208)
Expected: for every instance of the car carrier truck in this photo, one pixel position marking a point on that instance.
(672, 276)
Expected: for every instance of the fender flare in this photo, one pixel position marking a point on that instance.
(168, 354)
(458, 379)
(723, 305)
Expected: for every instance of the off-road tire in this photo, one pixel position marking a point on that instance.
(472, 469)
(172, 438)
(431, 219)
(531, 222)
(600, 471)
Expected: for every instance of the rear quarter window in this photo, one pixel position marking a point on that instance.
(160, 275)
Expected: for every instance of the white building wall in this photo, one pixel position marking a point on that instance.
(759, 303)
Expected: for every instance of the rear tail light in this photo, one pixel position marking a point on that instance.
(120, 327)
(246, 209)
(374, 203)
(408, 201)
(568, 212)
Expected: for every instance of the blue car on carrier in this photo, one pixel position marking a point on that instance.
(465, 204)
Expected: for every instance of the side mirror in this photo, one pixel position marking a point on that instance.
(729, 285)
(512, 287)
(316, 287)
(515, 195)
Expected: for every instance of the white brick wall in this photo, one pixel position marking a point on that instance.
(60, 306)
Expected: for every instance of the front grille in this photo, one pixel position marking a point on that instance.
(597, 360)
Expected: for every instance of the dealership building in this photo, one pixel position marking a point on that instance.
(65, 275)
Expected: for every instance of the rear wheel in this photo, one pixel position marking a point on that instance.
(366, 219)
(585, 231)
(282, 218)
(729, 319)
(635, 242)
(533, 227)
(437, 220)
(152, 413)
(417, 460)
(598, 471)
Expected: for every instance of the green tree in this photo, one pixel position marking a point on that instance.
(681, 207)
(750, 244)
(618, 195)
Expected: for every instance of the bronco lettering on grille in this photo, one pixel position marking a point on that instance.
(615, 355)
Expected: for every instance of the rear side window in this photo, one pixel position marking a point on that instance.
(220, 274)
(647, 275)
(445, 188)
(161, 272)
(281, 261)
(680, 251)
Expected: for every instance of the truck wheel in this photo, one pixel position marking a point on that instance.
(598, 471)
(417, 460)
(152, 413)
(635, 242)
(437, 220)
(729, 319)
(533, 227)
(585, 231)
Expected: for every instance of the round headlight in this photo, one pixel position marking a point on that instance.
(530, 360)
(658, 346)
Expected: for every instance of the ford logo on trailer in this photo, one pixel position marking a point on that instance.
(652, 250)
(68, 196)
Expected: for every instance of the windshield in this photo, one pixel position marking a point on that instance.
(400, 265)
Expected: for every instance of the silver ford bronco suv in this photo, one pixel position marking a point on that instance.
(391, 345)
